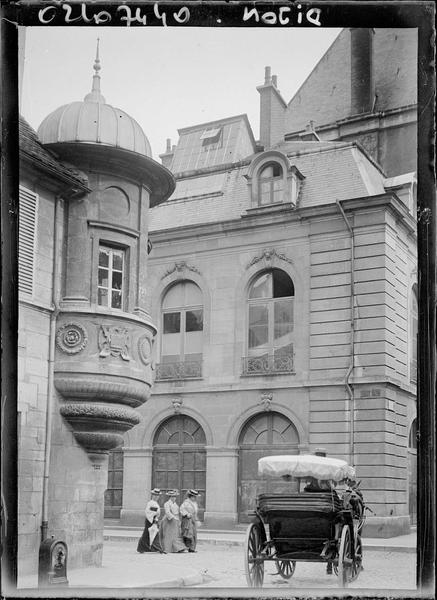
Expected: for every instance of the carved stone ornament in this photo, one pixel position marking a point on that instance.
(177, 403)
(145, 345)
(180, 267)
(266, 400)
(268, 254)
(71, 338)
(114, 341)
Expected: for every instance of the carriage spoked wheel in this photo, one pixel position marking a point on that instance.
(345, 562)
(286, 568)
(254, 563)
(357, 564)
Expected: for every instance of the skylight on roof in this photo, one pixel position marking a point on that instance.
(211, 133)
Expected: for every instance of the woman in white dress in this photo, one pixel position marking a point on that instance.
(189, 514)
(171, 539)
(149, 541)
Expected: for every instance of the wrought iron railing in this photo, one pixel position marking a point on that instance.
(189, 369)
(267, 364)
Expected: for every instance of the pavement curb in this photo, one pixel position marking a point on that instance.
(369, 547)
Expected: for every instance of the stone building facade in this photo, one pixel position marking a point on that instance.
(85, 335)
(275, 314)
(282, 280)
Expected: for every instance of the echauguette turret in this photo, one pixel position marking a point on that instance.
(104, 335)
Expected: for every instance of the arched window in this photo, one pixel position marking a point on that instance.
(270, 324)
(414, 314)
(181, 332)
(270, 184)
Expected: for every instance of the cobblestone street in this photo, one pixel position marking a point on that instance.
(223, 566)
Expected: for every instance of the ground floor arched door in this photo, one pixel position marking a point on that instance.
(179, 458)
(265, 434)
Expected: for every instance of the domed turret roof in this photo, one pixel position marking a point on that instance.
(94, 121)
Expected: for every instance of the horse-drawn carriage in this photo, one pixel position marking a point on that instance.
(314, 524)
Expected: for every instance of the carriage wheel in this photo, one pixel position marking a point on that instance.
(345, 562)
(286, 568)
(358, 560)
(254, 564)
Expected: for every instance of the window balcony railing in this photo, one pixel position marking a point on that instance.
(190, 369)
(267, 365)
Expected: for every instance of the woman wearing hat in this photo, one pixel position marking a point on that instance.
(149, 541)
(189, 510)
(171, 539)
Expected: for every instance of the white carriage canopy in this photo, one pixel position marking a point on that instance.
(305, 465)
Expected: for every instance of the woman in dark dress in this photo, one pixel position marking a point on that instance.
(149, 541)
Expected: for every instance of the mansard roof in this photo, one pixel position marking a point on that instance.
(332, 171)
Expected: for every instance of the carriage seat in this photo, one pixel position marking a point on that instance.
(306, 502)
(300, 522)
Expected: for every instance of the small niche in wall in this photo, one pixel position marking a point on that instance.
(114, 204)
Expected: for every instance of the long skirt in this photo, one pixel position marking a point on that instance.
(171, 539)
(144, 544)
(189, 533)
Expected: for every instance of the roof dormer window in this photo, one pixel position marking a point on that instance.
(273, 182)
(211, 136)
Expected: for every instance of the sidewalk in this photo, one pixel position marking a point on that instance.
(402, 543)
(124, 568)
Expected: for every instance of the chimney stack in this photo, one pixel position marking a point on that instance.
(167, 156)
(272, 111)
(362, 80)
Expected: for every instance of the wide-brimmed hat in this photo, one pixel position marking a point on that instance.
(172, 493)
(156, 491)
(192, 492)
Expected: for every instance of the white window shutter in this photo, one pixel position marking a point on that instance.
(28, 212)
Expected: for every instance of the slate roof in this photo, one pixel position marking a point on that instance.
(235, 141)
(31, 147)
(332, 170)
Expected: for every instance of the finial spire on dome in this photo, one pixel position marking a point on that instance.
(95, 95)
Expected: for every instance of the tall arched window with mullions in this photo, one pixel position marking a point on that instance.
(181, 332)
(270, 318)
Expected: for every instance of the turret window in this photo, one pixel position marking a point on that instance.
(111, 277)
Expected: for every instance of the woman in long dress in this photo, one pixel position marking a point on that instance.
(171, 539)
(189, 514)
(149, 541)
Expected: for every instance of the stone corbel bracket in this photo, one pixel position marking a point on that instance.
(103, 371)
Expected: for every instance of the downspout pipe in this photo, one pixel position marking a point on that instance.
(349, 387)
(51, 365)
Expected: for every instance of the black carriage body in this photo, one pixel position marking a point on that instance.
(303, 526)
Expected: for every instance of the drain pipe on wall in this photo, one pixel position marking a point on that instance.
(349, 388)
(51, 366)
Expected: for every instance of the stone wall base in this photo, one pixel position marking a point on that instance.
(386, 527)
(134, 518)
(220, 520)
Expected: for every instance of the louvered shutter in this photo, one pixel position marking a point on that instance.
(27, 240)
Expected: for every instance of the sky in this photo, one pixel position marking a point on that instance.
(167, 78)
